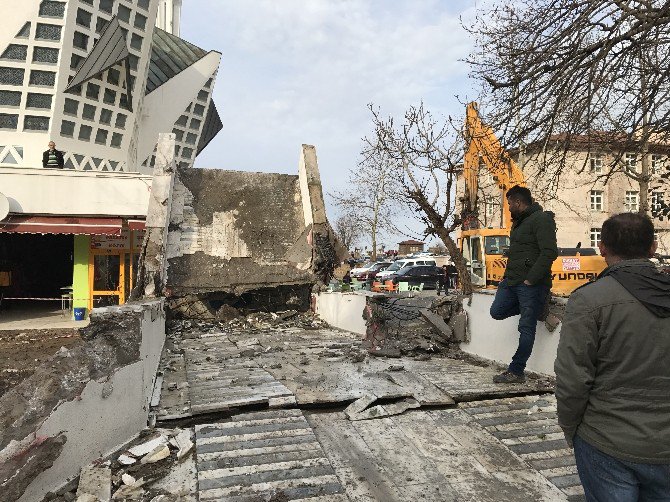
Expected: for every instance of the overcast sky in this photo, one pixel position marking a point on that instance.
(303, 71)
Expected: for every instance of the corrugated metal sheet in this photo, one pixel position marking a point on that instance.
(170, 55)
(61, 225)
(111, 49)
(211, 128)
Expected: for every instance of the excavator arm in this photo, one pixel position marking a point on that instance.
(483, 148)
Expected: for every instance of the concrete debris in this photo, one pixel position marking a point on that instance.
(159, 453)
(127, 479)
(381, 410)
(148, 447)
(126, 460)
(184, 443)
(438, 323)
(95, 482)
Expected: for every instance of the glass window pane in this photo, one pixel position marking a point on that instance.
(71, 106)
(67, 129)
(11, 76)
(36, 100)
(84, 18)
(10, 98)
(117, 139)
(8, 121)
(113, 76)
(80, 40)
(106, 271)
(85, 133)
(93, 91)
(107, 5)
(45, 55)
(15, 52)
(195, 124)
(52, 9)
(33, 123)
(100, 24)
(44, 78)
(101, 137)
(48, 31)
(105, 116)
(109, 97)
(121, 121)
(89, 112)
(140, 21)
(24, 32)
(199, 110)
(123, 14)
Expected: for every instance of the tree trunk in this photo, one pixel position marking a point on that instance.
(459, 261)
(373, 254)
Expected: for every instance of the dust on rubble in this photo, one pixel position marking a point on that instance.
(21, 351)
(158, 466)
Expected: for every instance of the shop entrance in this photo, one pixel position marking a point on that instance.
(36, 271)
(112, 267)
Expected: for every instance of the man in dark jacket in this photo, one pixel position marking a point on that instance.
(525, 287)
(613, 370)
(53, 158)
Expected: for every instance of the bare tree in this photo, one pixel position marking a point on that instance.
(426, 155)
(559, 74)
(369, 197)
(348, 229)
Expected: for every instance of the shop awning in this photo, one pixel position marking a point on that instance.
(61, 225)
(136, 224)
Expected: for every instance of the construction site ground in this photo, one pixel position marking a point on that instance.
(22, 350)
(291, 409)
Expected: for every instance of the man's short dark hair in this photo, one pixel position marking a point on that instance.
(521, 194)
(628, 235)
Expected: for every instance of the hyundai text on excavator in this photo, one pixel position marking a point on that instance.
(484, 248)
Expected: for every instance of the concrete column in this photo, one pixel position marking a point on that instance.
(176, 20)
(311, 191)
(169, 16)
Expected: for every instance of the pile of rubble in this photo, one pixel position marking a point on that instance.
(257, 321)
(147, 470)
(416, 327)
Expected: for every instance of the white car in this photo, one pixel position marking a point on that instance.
(398, 264)
(364, 268)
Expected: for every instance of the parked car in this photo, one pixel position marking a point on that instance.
(428, 275)
(397, 265)
(372, 272)
(358, 270)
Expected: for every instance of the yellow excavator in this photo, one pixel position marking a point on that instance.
(484, 249)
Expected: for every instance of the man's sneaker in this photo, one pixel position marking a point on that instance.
(509, 377)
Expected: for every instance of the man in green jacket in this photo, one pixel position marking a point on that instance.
(613, 370)
(526, 284)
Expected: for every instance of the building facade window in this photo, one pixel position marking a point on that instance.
(48, 31)
(10, 98)
(11, 76)
(52, 9)
(105, 116)
(597, 200)
(107, 5)
(42, 78)
(596, 163)
(89, 112)
(85, 133)
(80, 41)
(9, 121)
(657, 201)
(632, 201)
(657, 163)
(15, 52)
(24, 32)
(101, 137)
(120, 121)
(595, 235)
(67, 129)
(45, 55)
(33, 123)
(93, 91)
(84, 18)
(116, 140)
(37, 100)
(630, 162)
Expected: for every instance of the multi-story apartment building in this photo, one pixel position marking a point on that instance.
(583, 189)
(102, 79)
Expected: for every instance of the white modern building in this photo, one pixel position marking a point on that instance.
(102, 79)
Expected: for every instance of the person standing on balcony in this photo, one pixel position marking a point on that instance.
(53, 158)
(526, 285)
(612, 371)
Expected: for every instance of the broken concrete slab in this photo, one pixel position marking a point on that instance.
(359, 412)
(95, 482)
(438, 323)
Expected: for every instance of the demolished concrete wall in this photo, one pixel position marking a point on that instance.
(498, 340)
(228, 237)
(83, 403)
